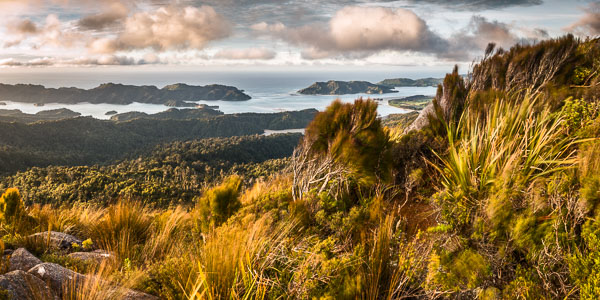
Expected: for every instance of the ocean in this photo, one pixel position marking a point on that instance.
(271, 91)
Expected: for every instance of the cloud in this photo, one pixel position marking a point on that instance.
(104, 60)
(480, 32)
(358, 32)
(476, 5)
(250, 53)
(112, 16)
(589, 24)
(23, 27)
(172, 28)
(53, 32)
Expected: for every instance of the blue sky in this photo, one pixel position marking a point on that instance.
(305, 34)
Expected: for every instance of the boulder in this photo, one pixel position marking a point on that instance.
(97, 256)
(22, 285)
(55, 239)
(57, 276)
(22, 260)
(135, 295)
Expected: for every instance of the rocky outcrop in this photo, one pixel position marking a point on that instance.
(345, 87)
(22, 260)
(57, 240)
(120, 94)
(22, 285)
(97, 256)
(57, 277)
(60, 279)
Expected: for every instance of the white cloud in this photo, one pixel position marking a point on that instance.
(171, 27)
(250, 53)
(359, 31)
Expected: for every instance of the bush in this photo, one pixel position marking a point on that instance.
(220, 202)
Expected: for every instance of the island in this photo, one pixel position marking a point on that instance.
(333, 87)
(417, 102)
(110, 113)
(407, 82)
(15, 115)
(113, 93)
(170, 114)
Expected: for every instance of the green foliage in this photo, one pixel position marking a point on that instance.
(171, 174)
(584, 265)
(11, 206)
(456, 272)
(77, 265)
(353, 135)
(524, 286)
(220, 202)
(580, 74)
(578, 113)
(87, 244)
(88, 141)
(513, 145)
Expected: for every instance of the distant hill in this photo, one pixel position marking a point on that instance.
(403, 82)
(86, 141)
(15, 115)
(113, 93)
(333, 87)
(170, 114)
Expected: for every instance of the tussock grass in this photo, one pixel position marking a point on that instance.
(514, 141)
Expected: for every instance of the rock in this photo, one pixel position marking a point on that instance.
(110, 113)
(95, 256)
(22, 285)
(58, 240)
(135, 295)
(57, 276)
(22, 260)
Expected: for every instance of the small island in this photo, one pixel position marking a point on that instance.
(110, 113)
(333, 87)
(417, 102)
(113, 93)
(16, 115)
(407, 82)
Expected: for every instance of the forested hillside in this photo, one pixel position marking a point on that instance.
(87, 141)
(170, 174)
(491, 193)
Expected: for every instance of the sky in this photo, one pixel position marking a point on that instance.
(276, 34)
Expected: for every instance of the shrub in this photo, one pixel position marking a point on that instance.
(220, 202)
(353, 135)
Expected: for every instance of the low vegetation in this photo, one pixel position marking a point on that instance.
(496, 197)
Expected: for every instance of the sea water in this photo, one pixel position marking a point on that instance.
(271, 91)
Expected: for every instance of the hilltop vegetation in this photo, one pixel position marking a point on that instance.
(491, 193)
(333, 87)
(400, 82)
